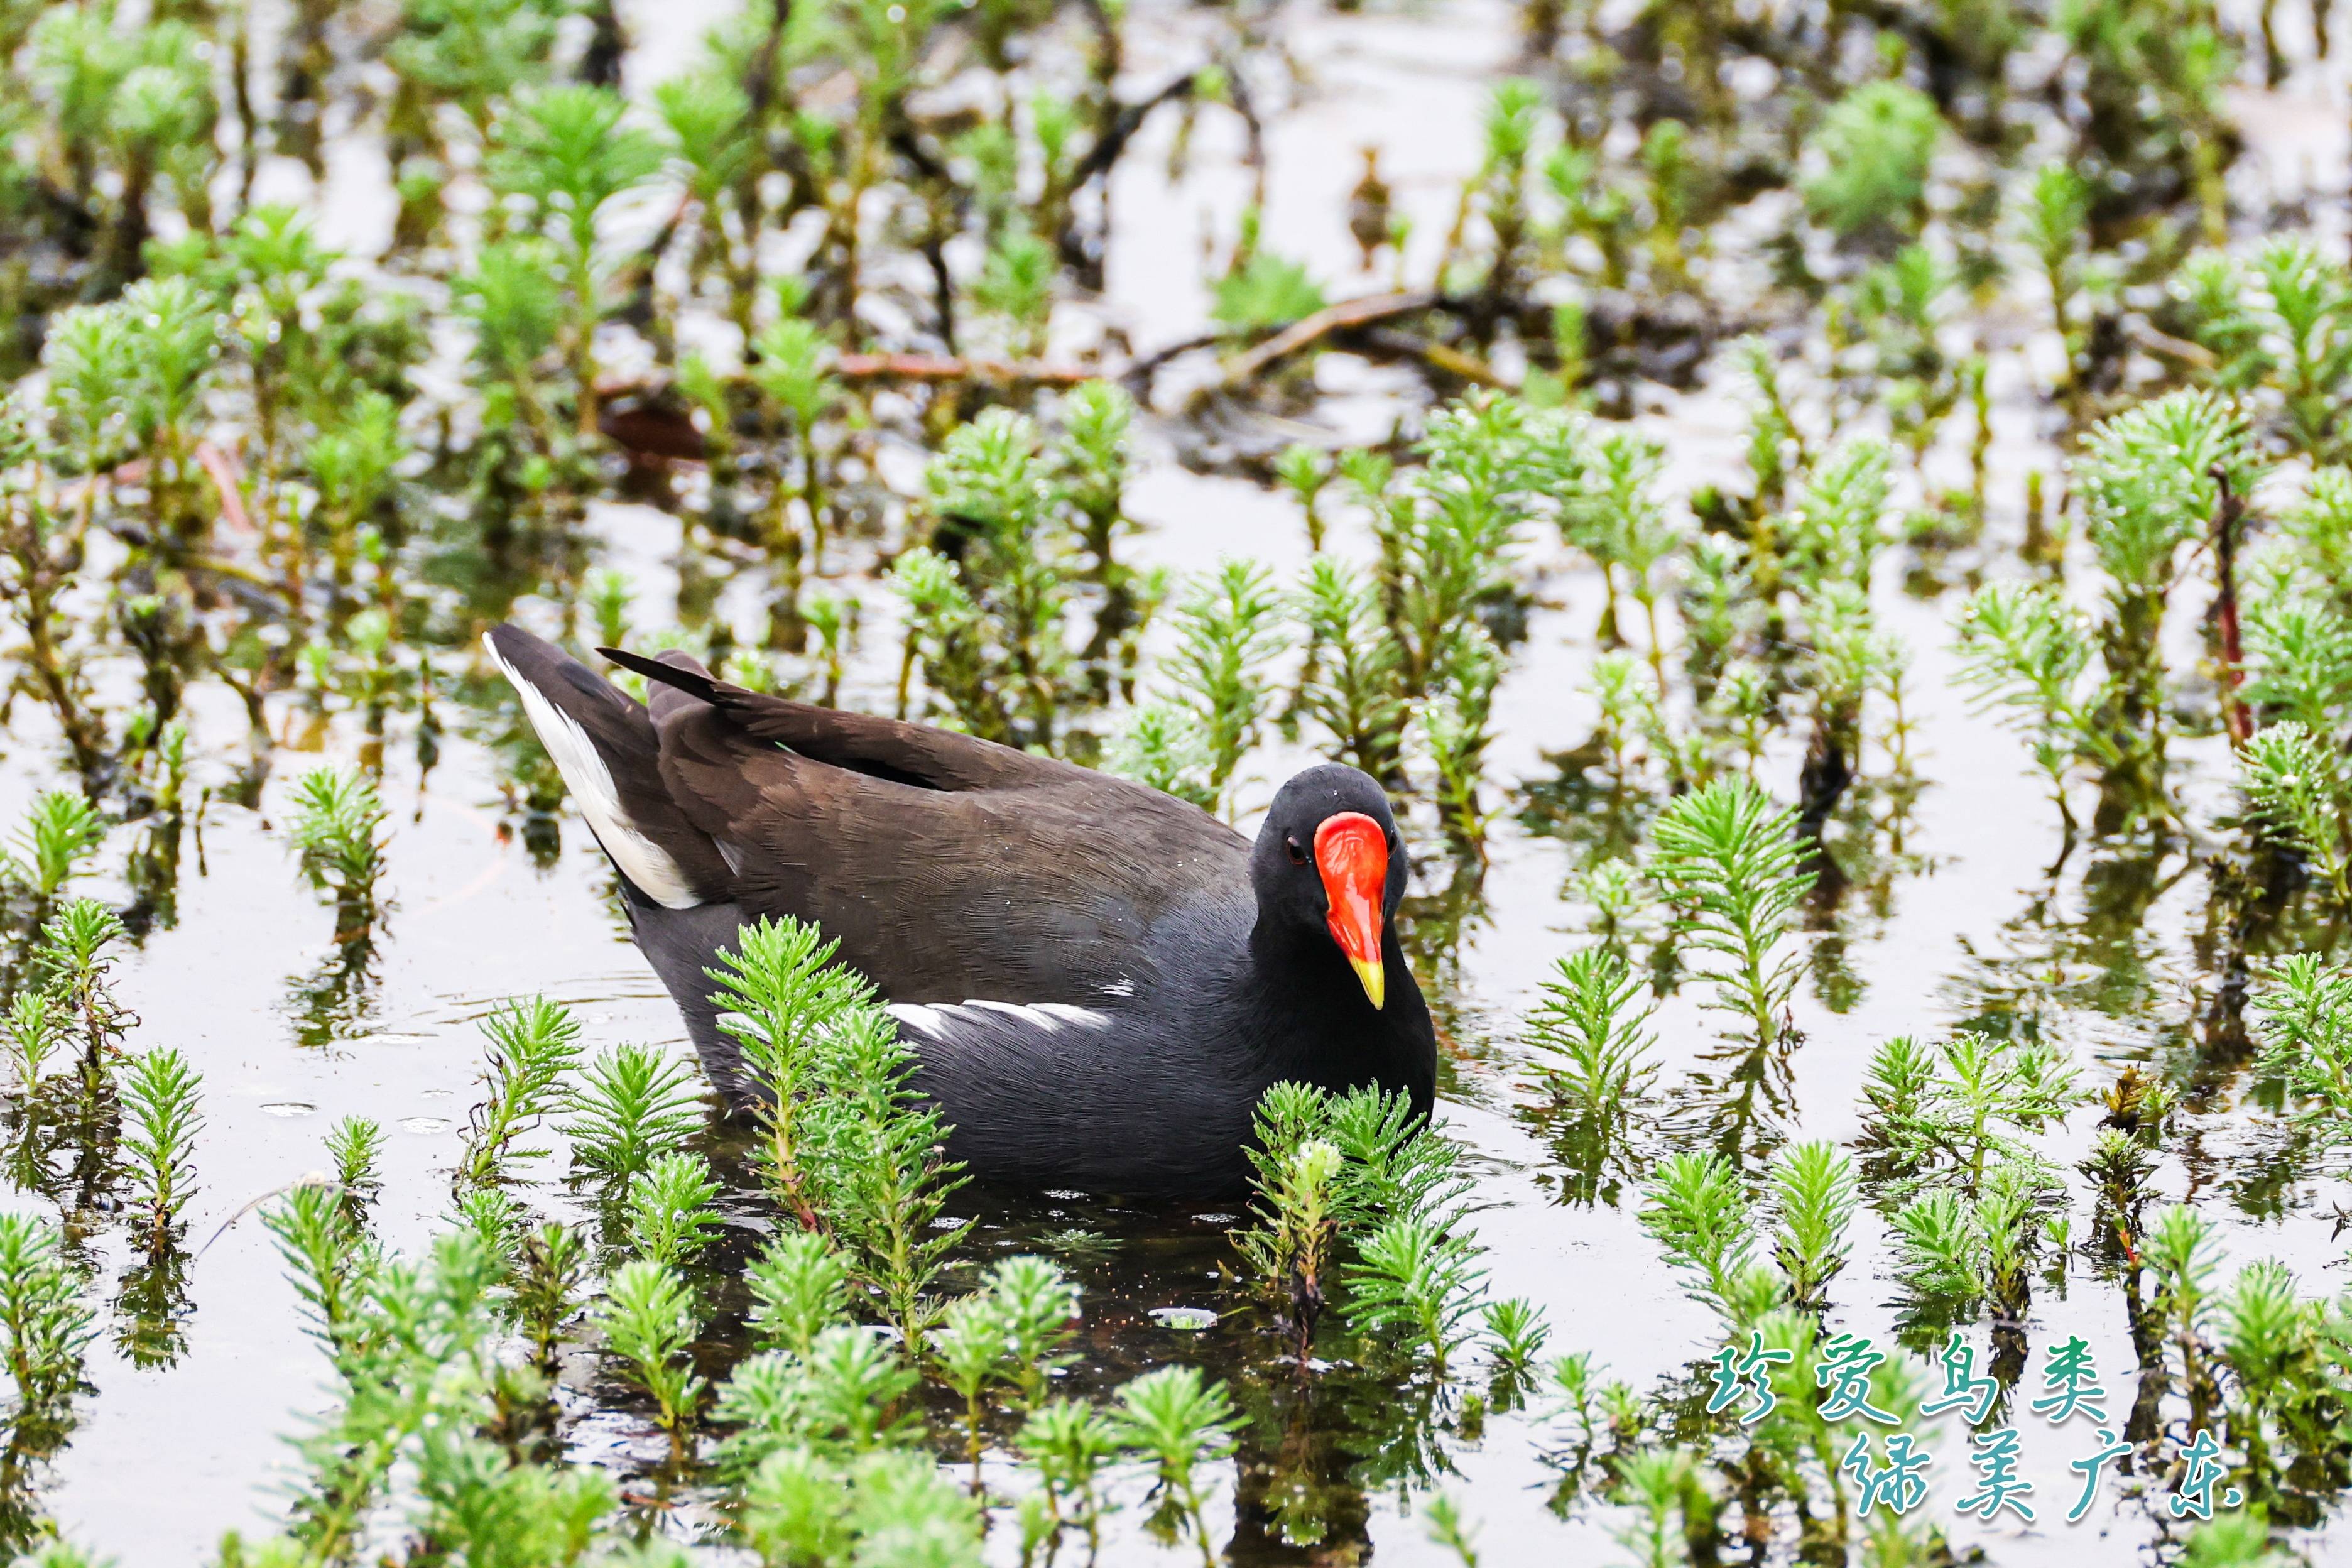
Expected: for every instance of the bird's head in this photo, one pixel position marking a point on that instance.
(1329, 859)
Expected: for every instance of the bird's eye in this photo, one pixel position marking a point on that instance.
(1298, 856)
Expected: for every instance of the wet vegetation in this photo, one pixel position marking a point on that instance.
(1832, 522)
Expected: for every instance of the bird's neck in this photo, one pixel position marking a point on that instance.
(1320, 1026)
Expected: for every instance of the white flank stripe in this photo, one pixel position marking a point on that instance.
(938, 1019)
(914, 1015)
(1084, 1017)
(643, 861)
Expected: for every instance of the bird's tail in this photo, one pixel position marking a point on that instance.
(603, 744)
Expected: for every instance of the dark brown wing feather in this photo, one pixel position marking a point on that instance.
(1040, 889)
(879, 748)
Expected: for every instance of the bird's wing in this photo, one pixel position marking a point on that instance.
(939, 895)
(918, 755)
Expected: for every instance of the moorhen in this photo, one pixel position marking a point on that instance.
(1099, 980)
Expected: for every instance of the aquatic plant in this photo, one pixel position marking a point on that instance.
(1813, 1201)
(1227, 629)
(800, 1288)
(1352, 682)
(1697, 1209)
(60, 833)
(630, 1102)
(1289, 1249)
(74, 963)
(2152, 478)
(883, 1180)
(338, 829)
(160, 1109)
(1969, 1249)
(1072, 1442)
(843, 1397)
(1180, 1421)
(1732, 867)
(550, 1272)
(1944, 1114)
(355, 1144)
(2025, 649)
(1418, 1283)
(44, 1326)
(325, 1256)
(1590, 1025)
(2296, 794)
(783, 997)
(2182, 1253)
(648, 1321)
(892, 1505)
(968, 1347)
(1872, 150)
(1662, 1485)
(669, 1215)
(36, 1024)
(2304, 1017)
(532, 1044)
(1516, 1334)
(561, 154)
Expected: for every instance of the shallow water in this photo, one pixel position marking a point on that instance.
(1970, 925)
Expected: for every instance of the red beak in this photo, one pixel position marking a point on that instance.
(1352, 854)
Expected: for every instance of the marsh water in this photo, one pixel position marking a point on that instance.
(1959, 901)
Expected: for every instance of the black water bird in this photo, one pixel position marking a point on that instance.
(1099, 980)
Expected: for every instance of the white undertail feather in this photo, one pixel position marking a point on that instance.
(935, 1019)
(644, 862)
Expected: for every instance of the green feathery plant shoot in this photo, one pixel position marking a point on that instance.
(1732, 867)
(37, 1024)
(1418, 1283)
(1289, 1249)
(782, 995)
(631, 1103)
(2296, 798)
(325, 1256)
(969, 1347)
(1699, 1211)
(1179, 1422)
(2303, 1017)
(845, 1142)
(649, 1321)
(1812, 1193)
(1942, 1115)
(1516, 1334)
(550, 1274)
(1591, 1024)
(45, 1327)
(2152, 478)
(1352, 686)
(73, 960)
(1072, 1442)
(159, 1138)
(2023, 649)
(532, 1044)
(58, 839)
(883, 1180)
(355, 1144)
(800, 1288)
(669, 1211)
(338, 828)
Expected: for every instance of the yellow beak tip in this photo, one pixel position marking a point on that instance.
(1375, 982)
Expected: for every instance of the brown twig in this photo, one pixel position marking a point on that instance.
(2229, 520)
(952, 367)
(1309, 331)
